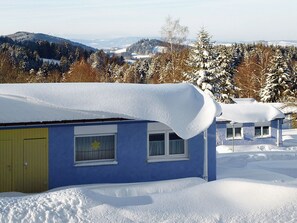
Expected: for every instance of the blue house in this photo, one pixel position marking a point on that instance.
(54, 135)
(249, 124)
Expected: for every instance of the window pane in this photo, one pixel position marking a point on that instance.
(156, 144)
(238, 132)
(229, 133)
(265, 130)
(257, 131)
(176, 144)
(94, 148)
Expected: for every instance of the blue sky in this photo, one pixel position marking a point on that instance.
(225, 20)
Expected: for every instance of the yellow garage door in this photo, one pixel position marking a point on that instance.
(35, 165)
(5, 166)
(24, 160)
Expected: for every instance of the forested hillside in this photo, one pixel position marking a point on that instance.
(31, 59)
(265, 72)
(146, 46)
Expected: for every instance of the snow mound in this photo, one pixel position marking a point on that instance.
(182, 107)
(67, 205)
(273, 166)
(148, 188)
(249, 112)
(184, 200)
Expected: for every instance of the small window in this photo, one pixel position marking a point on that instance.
(95, 144)
(176, 144)
(262, 131)
(237, 132)
(229, 132)
(163, 144)
(234, 131)
(93, 148)
(157, 144)
(257, 131)
(265, 130)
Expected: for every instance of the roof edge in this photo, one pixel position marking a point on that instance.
(63, 122)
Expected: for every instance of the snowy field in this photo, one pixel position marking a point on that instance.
(255, 184)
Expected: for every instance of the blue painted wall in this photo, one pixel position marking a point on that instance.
(212, 158)
(248, 135)
(131, 155)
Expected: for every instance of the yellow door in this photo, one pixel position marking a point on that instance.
(5, 166)
(24, 160)
(35, 165)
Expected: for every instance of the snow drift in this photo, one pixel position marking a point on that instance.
(182, 107)
(183, 200)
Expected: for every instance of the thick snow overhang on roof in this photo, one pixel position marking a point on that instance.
(183, 107)
(249, 113)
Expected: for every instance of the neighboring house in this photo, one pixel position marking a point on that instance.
(249, 124)
(54, 135)
(288, 109)
(290, 112)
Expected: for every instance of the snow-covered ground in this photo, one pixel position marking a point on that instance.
(258, 184)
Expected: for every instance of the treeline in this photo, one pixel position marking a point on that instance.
(264, 72)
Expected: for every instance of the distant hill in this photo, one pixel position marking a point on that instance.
(27, 51)
(35, 37)
(265, 42)
(109, 43)
(283, 43)
(147, 46)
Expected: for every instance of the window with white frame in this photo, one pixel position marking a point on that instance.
(163, 143)
(262, 129)
(95, 143)
(234, 131)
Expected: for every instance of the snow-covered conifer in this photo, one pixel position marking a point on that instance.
(203, 63)
(154, 70)
(225, 86)
(278, 80)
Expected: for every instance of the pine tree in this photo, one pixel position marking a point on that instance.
(202, 61)
(119, 72)
(153, 72)
(130, 75)
(137, 72)
(294, 79)
(278, 80)
(225, 73)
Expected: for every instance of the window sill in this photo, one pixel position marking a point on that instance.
(262, 137)
(234, 138)
(99, 163)
(156, 160)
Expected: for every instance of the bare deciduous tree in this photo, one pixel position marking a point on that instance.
(175, 35)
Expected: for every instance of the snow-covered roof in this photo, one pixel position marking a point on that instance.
(244, 100)
(249, 113)
(286, 108)
(182, 107)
